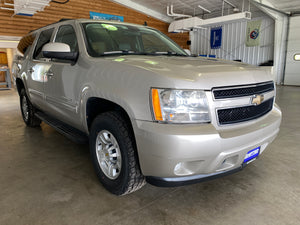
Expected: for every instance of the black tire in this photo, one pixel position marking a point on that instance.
(28, 111)
(130, 177)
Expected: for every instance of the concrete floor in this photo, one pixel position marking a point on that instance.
(47, 179)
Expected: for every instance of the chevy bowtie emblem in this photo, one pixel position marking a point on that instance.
(257, 99)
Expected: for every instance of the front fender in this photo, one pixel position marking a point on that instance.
(90, 91)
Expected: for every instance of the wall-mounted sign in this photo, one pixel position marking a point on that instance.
(253, 33)
(216, 37)
(103, 16)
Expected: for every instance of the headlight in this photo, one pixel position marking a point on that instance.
(180, 106)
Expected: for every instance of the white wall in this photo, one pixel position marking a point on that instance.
(292, 67)
(233, 42)
(9, 41)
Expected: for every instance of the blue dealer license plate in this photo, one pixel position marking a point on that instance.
(251, 155)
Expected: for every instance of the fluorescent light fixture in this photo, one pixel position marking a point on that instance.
(201, 7)
(297, 57)
(203, 28)
(29, 7)
(196, 22)
(9, 41)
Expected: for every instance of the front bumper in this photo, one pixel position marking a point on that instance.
(182, 154)
(180, 181)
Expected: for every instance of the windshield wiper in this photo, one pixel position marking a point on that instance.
(169, 53)
(126, 52)
(119, 52)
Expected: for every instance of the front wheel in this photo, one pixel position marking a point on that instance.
(114, 155)
(28, 111)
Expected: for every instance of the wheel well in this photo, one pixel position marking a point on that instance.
(96, 106)
(20, 85)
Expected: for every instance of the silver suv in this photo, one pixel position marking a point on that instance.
(149, 110)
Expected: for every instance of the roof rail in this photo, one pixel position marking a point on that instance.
(64, 19)
(61, 20)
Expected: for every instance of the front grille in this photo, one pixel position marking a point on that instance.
(235, 92)
(246, 113)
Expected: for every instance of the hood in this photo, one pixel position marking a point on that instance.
(196, 72)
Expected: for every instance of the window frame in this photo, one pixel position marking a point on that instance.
(57, 30)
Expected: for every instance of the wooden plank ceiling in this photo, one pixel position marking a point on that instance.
(16, 25)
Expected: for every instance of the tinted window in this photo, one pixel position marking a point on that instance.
(25, 43)
(44, 38)
(66, 34)
(153, 44)
(27, 50)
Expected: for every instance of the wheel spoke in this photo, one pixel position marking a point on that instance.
(99, 146)
(114, 155)
(114, 142)
(102, 160)
(107, 137)
(103, 140)
(111, 170)
(111, 148)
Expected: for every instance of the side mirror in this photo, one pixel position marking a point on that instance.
(59, 51)
(187, 51)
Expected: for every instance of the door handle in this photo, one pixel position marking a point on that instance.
(49, 74)
(31, 70)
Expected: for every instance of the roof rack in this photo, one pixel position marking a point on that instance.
(64, 19)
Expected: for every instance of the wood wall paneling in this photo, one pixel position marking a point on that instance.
(21, 25)
(3, 62)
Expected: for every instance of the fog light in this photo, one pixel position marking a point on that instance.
(228, 163)
(187, 168)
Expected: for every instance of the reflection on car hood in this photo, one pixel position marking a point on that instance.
(206, 72)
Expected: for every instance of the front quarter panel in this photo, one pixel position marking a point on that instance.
(125, 85)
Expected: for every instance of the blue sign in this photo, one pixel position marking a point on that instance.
(103, 16)
(216, 38)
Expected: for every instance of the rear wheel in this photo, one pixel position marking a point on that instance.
(28, 110)
(114, 155)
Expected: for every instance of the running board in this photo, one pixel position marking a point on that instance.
(74, 134)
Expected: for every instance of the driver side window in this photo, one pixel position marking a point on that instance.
(44, 38)
(66, 34)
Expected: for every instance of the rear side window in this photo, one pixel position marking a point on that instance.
(44, 38)
(66, 34)
(25, 44)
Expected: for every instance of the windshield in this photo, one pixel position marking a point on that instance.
(110, 39)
